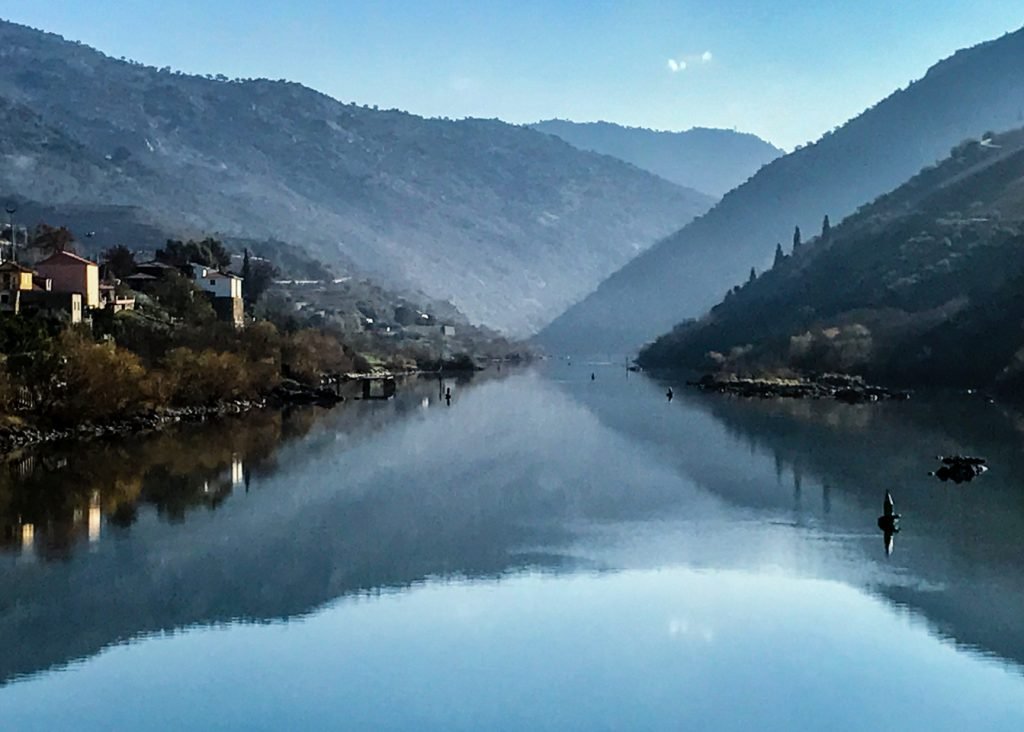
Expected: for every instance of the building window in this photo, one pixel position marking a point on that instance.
(5, 298)
(213, 282)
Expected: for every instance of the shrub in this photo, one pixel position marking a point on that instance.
(309, 354)
(205, 377)
(95, 380)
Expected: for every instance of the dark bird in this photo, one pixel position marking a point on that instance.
(669, 393)
(888, 522)
(592, 376)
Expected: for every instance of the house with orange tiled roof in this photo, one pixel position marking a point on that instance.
(71, 273)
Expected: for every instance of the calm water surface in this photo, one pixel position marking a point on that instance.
(549, 552)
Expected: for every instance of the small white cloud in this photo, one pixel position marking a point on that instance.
(681, 63)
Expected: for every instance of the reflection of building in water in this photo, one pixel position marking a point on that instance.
(24, 467)
(28, 537)
(95, 518)
(237, 471)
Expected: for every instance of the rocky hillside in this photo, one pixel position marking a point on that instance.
(709, 160)
(974, 91)
(510, 224)
(923, 286)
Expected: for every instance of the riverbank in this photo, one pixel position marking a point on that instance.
(840, 387)
(19, 434)
(21, 431)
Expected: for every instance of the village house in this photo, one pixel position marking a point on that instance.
(24, 292)
(72, 273)
(14, 279)
(224, 290)
(51, 304)
(110, 300)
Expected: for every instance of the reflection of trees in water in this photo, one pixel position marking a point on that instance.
(55, 491)
(50, 489)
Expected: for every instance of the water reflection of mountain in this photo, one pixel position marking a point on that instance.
(517, 472)
(825, 466)
(371, 496)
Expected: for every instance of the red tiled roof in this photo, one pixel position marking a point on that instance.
(66, 258)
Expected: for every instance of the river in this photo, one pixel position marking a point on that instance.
(549, 552)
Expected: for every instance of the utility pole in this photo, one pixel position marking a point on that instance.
(11, 210)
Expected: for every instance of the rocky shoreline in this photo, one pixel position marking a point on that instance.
(13, 437)
(840, 387)
(288, 394)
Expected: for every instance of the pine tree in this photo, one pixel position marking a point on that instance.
(245, 265)
(753, 275)
(826, 228)
(779, 255)
(797, 240)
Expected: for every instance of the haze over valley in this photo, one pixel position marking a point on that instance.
(532, 366)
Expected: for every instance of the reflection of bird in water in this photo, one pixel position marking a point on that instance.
(448, 396)
(888, 522)
(669, 394)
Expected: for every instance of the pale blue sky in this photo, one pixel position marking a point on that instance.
(785, 70)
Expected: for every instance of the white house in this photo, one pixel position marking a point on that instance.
(218, 284)
(224, 290)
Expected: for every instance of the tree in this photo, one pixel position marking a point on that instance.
(826, 228)
(209, 252)
(797, 239)
(753, 275)
(182, 299)
(261, 277)
(51, 239)
(215, 253)
(779, 255)
(246, 267)
(120, 261)
(174, 252)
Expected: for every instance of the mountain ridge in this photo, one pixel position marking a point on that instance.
(975, 90)
(509, 224)
(706, 159)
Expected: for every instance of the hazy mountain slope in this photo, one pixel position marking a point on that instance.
(973, 91)
(926, 284)
(709, 160)
(510, 224)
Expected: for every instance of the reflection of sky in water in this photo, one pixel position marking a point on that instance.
(669, 649)
(709, 566)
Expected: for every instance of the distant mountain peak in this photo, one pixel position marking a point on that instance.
(703, 158)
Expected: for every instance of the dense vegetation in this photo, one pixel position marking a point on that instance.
(975, 90)
(68, 375)
(923, 286)
(172, 351)
(511, 224)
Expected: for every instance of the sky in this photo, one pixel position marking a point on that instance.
(787, 71)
